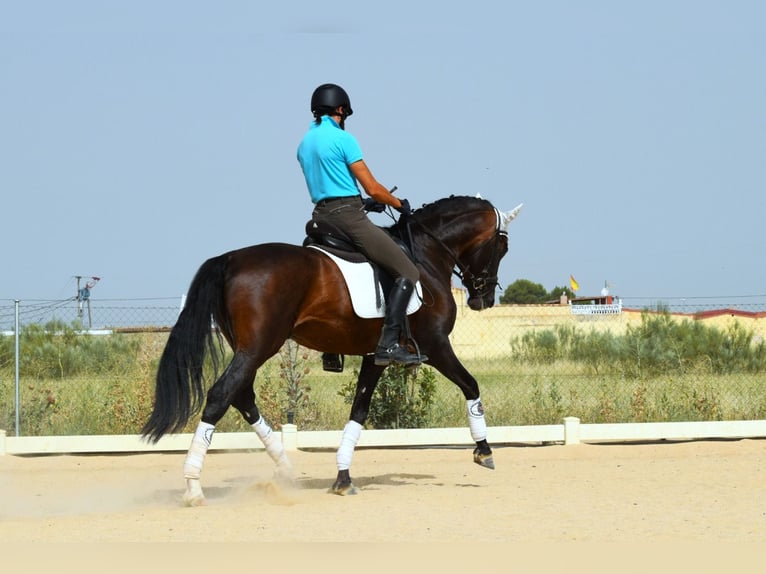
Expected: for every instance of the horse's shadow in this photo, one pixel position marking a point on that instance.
(368, 482)
(235, 487)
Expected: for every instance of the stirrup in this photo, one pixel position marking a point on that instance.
(332, 362)
(397, 355)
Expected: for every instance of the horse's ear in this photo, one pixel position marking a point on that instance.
(509, 216)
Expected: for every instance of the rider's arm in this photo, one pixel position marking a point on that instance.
(374, 189)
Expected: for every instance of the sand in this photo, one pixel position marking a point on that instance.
(688, 491)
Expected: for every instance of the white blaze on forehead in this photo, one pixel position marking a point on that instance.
(506, 217)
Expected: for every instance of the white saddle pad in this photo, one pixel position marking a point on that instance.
(362, 286)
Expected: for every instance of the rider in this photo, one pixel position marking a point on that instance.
(332, 164)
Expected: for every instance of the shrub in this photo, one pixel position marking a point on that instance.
(287, 399)
(58, 351)
(402, 398)
(657, 346)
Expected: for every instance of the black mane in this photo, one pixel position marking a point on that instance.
(446, 207)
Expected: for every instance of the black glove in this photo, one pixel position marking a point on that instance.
(404, 208)
(370, 204)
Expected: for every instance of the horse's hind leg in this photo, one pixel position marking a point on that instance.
(244, 402)
(240, 372)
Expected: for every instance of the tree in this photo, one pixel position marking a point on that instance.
(524, 291)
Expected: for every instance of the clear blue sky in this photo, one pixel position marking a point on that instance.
(139, 138)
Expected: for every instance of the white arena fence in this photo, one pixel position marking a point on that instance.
(570, 432)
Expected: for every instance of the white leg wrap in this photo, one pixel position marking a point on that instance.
(476, 421)
(351, 434)
(271, 441)
(198, 449)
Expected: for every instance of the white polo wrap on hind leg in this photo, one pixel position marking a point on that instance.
(476, 421)
(195, 458)
(271, 441)
(351, 433)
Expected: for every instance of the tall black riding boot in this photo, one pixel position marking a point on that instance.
(389, 350)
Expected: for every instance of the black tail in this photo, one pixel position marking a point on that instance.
(179, 393)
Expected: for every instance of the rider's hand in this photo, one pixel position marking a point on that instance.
(404, 208)
(371, 205)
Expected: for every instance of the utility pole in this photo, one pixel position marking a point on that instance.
(83, 296)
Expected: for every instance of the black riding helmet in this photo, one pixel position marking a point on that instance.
(328, 97)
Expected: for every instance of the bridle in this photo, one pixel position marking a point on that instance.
(481, 283)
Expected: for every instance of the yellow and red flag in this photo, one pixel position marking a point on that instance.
(573, 283)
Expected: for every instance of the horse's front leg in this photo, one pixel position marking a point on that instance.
(369, 374)
(444, 360)
(482, 454)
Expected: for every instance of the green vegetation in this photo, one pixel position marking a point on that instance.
(403, 397)
(658, 346)
(287, 397)
(659, 370)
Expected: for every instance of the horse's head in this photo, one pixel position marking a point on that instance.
(474, 234)
(478, 265)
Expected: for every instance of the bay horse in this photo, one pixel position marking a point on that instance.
(262, 295)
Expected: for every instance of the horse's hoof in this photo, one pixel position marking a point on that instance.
(193, 495)
(344, 488)
(284, 475)
(193, 500)
(483, 459)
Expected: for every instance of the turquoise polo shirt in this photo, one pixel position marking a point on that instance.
(325, 154)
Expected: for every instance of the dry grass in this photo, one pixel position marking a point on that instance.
(513, 394)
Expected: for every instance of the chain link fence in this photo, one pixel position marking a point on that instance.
(87, 367)
(92, 315)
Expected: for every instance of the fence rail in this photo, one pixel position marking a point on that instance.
(571, 431)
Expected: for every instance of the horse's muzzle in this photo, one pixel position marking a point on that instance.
(478, 303)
